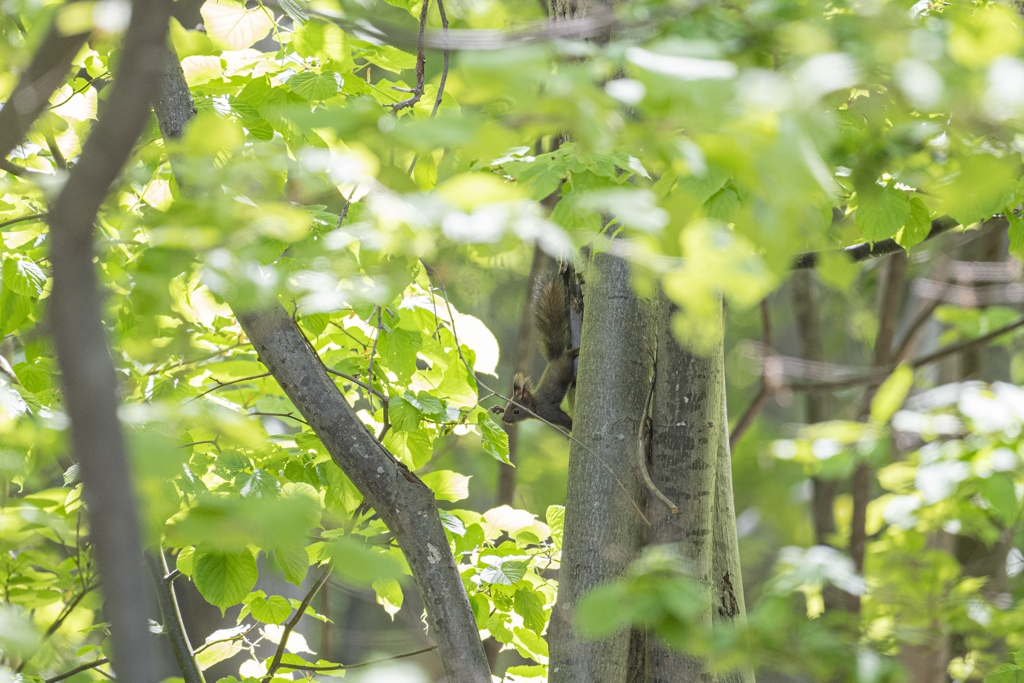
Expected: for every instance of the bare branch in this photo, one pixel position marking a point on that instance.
(298, 667)
(300, 611)
(421, 60)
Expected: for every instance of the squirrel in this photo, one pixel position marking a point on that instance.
(555, 341)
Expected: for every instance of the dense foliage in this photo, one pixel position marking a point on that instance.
(721, 137)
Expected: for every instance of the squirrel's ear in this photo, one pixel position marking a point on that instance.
(520, 385)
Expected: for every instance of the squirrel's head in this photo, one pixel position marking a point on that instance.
(522, 394)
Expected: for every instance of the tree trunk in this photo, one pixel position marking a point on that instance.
(728, 603)
(688, 430)
(602, 523)
(87, 371)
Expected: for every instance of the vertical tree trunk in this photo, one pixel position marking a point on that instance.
(728, 603)
(688, 431)
(602, 524)
(818, 406)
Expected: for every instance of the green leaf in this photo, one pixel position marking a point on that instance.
(398, 348)
(555, 516)
(321, 40)
(881, 212)
(224, 578)
(603, 611)
(998, 490)
(22, 276)
(315, 87)
(529, 604)
(983, 187)
(294, 562)
(891, 395)
(495, 439)
(447, 485)
(389, 595)
(501, 570)
(918, 225)
(1018, 657)
(1016, 234)
(360, 564)
(296, 9)
(403, 415)
(272, 610)
(481, 609)
(184, 560)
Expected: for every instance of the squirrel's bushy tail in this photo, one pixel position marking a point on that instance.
(552, 325)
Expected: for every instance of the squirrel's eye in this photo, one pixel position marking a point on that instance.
(516, 411)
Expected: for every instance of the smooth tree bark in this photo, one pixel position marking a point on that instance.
(818, 405)
(45, 73)
(603, 528)
(172, 624)
(404, 503)
(687, 432)
(87, 371)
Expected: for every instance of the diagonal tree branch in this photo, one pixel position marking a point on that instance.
(404, 503)
(49, 67)
(87, 372)
(869, 250)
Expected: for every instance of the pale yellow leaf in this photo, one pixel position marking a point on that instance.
(231, 25)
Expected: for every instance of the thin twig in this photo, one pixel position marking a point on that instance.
(79, 669)
(58, 158)
(20, 219)
(241, 635)
(303, 667)
(432, 272)
(882, 372)
(80, 90)
(59, 621)
(444, 74)
(348, 202)
(908, 338)
(373, 352)
(290, 626)
(196, 443)
(221, 385)
(352, 379)
(747, 418)
(421, 60)
(288, 415)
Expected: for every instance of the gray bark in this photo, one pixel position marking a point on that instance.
(87, 371)
(602, 525)
(688, 429)
(404, 503)
(184, 656)
(727, 602)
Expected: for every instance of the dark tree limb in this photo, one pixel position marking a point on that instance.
(403, 502)
(869, 250)
(87, 371)
(163, 582)
(48, 69)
